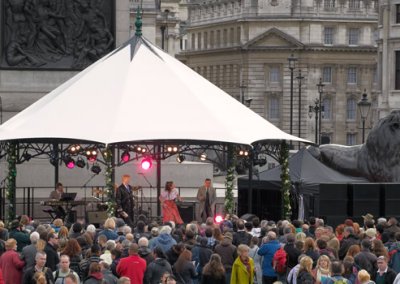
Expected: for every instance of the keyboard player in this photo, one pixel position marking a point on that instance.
(56, 195)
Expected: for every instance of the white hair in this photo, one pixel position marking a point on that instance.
(143, 242)
(34, 237)
(127, 230)
(91, 228)
(285, 223)
(382, 220)
(165, 230)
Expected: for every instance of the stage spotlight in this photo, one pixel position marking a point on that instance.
(96, 169)
(243, 153)
(172, 149)
(218, 219)
(203, 157)
(69, 162)
(91, 155)
(180, 158)
(80, 163)
(26, 156)
(125, 157)
(146, 163)
(73, 149)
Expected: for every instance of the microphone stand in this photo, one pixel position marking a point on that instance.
(151, 188)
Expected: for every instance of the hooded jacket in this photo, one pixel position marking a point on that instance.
(145, 253)
(164, 242)
(228, 253)
(95, 278)
(155, 270)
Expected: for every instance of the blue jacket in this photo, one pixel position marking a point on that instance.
(268, 250)
(163, 241)
(111, 235)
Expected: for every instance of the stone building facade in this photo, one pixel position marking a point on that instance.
(243, 46)
(389, 56)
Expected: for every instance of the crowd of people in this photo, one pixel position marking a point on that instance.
(234, 251)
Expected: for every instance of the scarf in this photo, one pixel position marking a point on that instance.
(322, 272)
(246, 262)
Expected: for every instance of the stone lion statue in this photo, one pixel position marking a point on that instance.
(378, 159)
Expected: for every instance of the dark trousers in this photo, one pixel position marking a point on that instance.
(269, 280)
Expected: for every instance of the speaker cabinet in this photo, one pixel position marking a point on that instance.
(392, 200)
(333, 200)
(96, 218)
(366, 199)
(186, 209)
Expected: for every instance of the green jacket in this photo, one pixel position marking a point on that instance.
(240, 275)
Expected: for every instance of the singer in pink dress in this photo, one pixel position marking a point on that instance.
(168, 200)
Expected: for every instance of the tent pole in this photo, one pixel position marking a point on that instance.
(158, 155)
(250, 185)
(55, 164)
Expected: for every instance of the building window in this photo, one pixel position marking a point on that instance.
(351, 139)
(329, 4)
(327, 114)
(327, 75)
(354, 36)
(199, 41)
(274, 74)
(193, 41)
(352, 75)
(375, 76)
(238, 35)
(218, 40)
(328, 35)
(354, 4)
(205, 40)
(397, 67)
(351, 109)
(212, 39)
(273, 108)
(397, 13)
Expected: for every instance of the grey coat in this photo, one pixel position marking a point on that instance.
(201, 197)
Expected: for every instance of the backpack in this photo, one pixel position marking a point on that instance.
(279, 261)
(394, 262)
(340, 280)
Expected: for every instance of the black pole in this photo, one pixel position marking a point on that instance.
(250, 187)
(363, 131)
(55, 164)
(300, 78)
(162, 28)
(158, 155)
(291, 102)
(320, 119)
(316, 125)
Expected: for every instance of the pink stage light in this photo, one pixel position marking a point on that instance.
(146, 164)
(218, 219)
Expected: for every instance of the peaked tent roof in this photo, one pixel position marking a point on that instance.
(306, 170)
(140, 93)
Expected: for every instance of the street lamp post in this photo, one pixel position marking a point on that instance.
(317, 109)
(320, 86)
(300, 79)
(364, 106)
(292, 62)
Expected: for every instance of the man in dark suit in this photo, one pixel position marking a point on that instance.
(125, 201)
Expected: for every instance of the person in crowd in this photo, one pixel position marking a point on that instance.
(3, 232)
(29, 252)
(144, 251)
(76, 231)
(228, 254)
(350, 269)
(157, 268)
(132, 266)
(353, 250)
(379, 249)
(184, 269)
(93, 255)
(73, 250)
(164, 240)
(384, 274)
(71, 279)
(125, 201)
(64, 270)
(253, 253)
(190, 240)
(124, 280)
(109, 229)
(51, 251)
(292, 252)
(108, 276)
(201, 255)
(174, 252)
(29, 275)
(304, 275)
(18, 234)
(241, 236)
(310, 249)
(337, 270)
(267, 251)
(95, 275)
(243, 267)
(349, 239)
(321, 271)
(363, 277)
(206, 197)
(168, 199)
(57, 193)
(10, 263)
(365, 259)
(213, 272)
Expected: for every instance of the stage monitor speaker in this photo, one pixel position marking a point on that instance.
(392, 200)
(365, 199)
(96, 218)
(187, 212)
(248, 217)
(71, 217)
(333, 200)
(243, 197)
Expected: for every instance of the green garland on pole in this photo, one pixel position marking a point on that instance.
(111, 204)
(11, 180)
(229, 182)
(285, 179)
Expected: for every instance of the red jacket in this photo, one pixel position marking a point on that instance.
(132, 267)
(11, 267)
(1, 277)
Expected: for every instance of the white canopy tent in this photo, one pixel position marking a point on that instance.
(140, 93)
